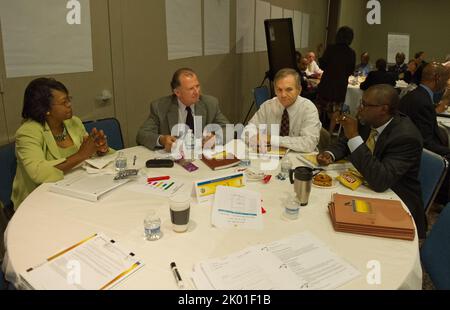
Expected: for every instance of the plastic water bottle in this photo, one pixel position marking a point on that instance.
(121, 162)
(189, 142)
(152, 226)
(286, 165)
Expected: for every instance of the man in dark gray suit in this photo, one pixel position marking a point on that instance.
(386, 150)
(182, 107)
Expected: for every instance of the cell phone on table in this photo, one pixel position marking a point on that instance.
(187, 165)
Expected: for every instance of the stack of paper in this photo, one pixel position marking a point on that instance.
(270, 151)
(298, 262)
(92, 264)
(311, 161)
(101, 162)
(370, 216)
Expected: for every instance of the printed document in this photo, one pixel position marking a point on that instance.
(314, 264)
(237, 208)
(300, 262)
(95, 263)
(246, 270)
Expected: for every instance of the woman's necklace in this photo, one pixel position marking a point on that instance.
(62, 136)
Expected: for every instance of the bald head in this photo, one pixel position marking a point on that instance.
(384, 94)
(435, 76)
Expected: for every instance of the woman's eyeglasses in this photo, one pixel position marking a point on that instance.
(66, 102)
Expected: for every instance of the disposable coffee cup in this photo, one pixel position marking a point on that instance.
(180, 207)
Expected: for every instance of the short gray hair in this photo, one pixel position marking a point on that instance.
(288, 72)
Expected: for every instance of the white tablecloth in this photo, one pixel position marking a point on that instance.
(47, 222)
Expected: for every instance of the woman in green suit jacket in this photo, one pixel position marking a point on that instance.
(51, 141)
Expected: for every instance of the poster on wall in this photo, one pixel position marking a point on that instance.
(276, 12)
(262, 13)
(245, 27)
(217, 27)
(46, 37)
(397, 43)
(297, 24)
(184, 28)
(305, 31)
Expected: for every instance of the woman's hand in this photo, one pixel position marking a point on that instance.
(101, 141)
(87, 148)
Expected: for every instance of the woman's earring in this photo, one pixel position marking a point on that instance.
(48, 113)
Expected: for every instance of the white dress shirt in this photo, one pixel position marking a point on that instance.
(313, 68)
(182, 114)
(304, 124)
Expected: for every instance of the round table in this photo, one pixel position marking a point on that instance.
(47, 222)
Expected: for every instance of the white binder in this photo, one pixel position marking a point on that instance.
(81, 185)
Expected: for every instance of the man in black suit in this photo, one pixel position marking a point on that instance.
(380, 76)
(386, 150)
(419, 106)
(400, 68)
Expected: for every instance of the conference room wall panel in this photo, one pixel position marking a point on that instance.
(352, 14)
(85, 87)
(427, 23)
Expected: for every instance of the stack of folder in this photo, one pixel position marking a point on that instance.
(370, 216)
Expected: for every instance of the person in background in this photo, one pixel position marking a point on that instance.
(410, 71)
(313, 69)
(297, 117)
(364, 67)
(51, 141)
(308, 90)
(185, 102)
(338, 62)
(446, 63)
(419, 58)
(444, 103)
(419, 106)
(380, 76)
(386, 150)
(400, 67)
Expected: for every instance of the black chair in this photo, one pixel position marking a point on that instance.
(111, 127)
(8, 165)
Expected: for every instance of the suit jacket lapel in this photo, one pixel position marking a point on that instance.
(379, 145)
(200, 110)
(50, 142)
(172, 115)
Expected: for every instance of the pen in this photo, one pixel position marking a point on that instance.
(134, 160)
(176, 274)
(163, 178)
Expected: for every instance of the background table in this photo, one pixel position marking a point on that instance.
(47, 222)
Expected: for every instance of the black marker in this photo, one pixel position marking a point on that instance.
(176, 274)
